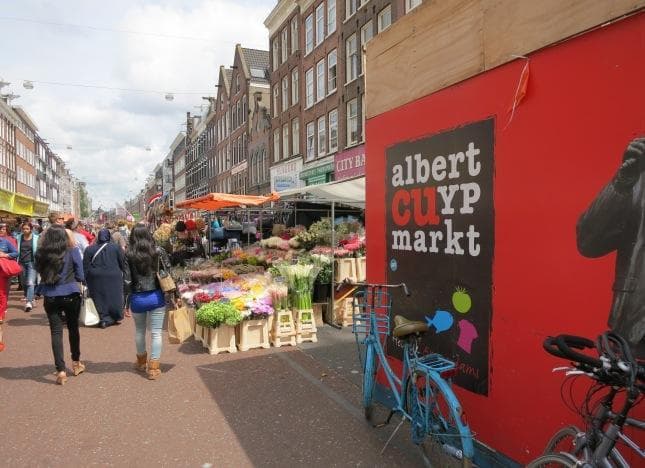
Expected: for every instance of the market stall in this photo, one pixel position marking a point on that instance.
(271, 292)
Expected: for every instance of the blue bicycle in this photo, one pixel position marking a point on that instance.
(422, 393)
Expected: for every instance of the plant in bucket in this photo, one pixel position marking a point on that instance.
(219, 320)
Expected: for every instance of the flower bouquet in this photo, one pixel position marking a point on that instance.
(279, 296)
(300, 279)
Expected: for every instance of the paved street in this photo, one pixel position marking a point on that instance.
(276, 407)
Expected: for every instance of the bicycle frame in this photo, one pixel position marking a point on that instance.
(606, 455)
(431, 365)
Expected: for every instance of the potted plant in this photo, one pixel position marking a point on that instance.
(322, 285)
(219, 319)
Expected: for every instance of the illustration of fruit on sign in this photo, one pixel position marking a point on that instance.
(461, 300)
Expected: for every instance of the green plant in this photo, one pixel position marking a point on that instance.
(324, 275)
(214, 314)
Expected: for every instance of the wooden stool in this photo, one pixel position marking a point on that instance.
(306, 326)
(284, 330)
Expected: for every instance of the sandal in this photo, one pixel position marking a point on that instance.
(78, 367)
(61, 378)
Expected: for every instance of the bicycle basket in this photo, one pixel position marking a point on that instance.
(371, 301)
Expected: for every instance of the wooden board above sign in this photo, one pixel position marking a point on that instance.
(442, 43)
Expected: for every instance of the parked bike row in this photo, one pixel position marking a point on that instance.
(421, 392)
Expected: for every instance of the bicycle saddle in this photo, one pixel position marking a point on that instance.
(404, 327)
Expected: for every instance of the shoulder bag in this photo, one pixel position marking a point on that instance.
(166, 283)
(10, 267)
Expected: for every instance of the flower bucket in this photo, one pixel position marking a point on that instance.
(253, 334)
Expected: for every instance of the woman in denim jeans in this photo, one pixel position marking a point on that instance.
(27, 246)
(144, 297)
(59, 263)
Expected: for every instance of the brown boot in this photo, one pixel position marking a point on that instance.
(142, 359)
(153, 369)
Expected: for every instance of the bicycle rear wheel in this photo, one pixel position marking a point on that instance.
(369, 380)
(442, 416)
(551, 460)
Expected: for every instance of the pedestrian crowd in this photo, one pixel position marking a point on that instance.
(65, 263)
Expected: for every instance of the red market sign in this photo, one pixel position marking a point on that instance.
(350, 163)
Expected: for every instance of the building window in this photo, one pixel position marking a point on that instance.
(276, 97)
(367, 32)
(333, 131)
(294, 34)
(350, 7)
(322, 136)
(351, 57)
(285, 141)
(331, 16)
(295, 136)
(310, 141)
(309, 88)
(320, 24)
(276, 54)
(284, 42)
(352, 122)
(276, 145)
(295, 90)
(384, 18)
(320, 80)
(362, 117)
(331, 71)
(285, 93)
(411, 5)
(309, 34)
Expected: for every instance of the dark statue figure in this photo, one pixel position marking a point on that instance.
(616, 221)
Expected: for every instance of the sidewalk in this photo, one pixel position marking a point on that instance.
(275, 407)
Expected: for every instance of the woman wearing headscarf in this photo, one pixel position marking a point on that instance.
(103, 264)
(60, 267)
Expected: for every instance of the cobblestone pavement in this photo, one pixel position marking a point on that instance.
(275, 407)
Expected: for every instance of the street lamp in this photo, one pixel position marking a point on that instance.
(28, 84)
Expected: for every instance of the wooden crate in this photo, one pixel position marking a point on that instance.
(284, 329)
(361, 268)
(343, 309)
(220, 339)
(199, 333)
(319, 310)
(253, 334)
(345, 269)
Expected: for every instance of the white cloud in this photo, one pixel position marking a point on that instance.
(110, 130)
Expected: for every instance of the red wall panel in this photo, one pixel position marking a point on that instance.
(585, 101)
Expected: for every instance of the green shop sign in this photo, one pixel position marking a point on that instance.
(318, 174)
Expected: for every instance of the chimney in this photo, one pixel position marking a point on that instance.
(189, 124)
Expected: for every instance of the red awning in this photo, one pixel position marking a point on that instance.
(215, 201)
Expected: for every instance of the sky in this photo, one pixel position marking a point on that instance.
(157, 46)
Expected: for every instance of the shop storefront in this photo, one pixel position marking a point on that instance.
(350, 163)
(286, 176)
(318, 174)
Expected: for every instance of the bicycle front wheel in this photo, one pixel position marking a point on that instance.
(369, 380)
(565, 440)
(552, 460)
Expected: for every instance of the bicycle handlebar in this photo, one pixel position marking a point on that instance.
(347, 282)
(610, 368)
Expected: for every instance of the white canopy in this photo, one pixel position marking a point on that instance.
(348, 192)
